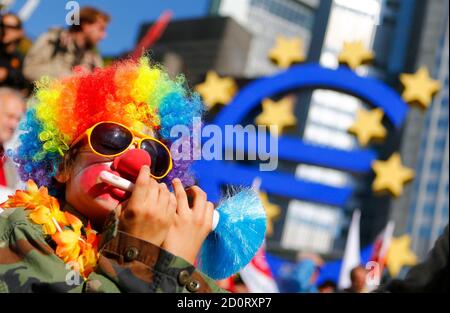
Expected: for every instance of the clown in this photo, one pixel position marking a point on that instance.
(79, 233)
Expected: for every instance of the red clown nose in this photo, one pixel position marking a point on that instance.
(129, 164)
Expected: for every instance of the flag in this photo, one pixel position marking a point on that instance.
(352, 252)
(257, 275)
(331, 270)
(382, 243)
(378, 257)
(152, 35)
(227, 283)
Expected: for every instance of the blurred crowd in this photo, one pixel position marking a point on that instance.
(302, 277)
(55, 54)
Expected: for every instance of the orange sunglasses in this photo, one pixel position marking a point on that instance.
(111, 139)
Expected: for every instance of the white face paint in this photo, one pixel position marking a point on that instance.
(86, 193)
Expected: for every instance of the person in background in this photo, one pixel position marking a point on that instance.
(327, 286)
(239, 285)
(59, 50)
(233, 284)
(12, 106)
(11, 60)
(358, 279)
(301, 276)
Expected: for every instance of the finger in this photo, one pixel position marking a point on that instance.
(120, 207)
(142, 185)
(172, 208)
(139, 197)
(209, 215)
(199, 200)
(181, 196)
(164, 197)
(153, 191)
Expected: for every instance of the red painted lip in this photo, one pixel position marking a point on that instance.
(103, 188)
(119, 193)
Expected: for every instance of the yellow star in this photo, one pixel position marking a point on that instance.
(354, 54)
(279, 114)
(272, 212)
(391, 175)
(368, 126)
(216, 90)
(419, 87)
(399, 254)
(286, 52)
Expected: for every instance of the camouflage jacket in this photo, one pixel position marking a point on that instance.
(126, 264)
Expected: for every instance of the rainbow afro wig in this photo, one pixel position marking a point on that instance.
(136, 94)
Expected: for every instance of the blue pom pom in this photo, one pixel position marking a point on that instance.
(237, 238)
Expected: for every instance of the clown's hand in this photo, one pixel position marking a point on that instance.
(191, 225)
(150, 211)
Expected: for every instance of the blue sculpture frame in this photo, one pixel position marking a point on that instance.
(213, 174)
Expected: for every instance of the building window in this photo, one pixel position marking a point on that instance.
(432, 187)
(425, 232)
(295, 13)
(311, 227)
(444, 213)
(436, 165)
(443, 122)
(440, 144)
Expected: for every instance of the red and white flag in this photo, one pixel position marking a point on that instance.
(257, 275)
(378, 258)
(382, 243)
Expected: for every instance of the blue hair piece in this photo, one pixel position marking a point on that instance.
(237, 238)
(40, 169)
(176, 109)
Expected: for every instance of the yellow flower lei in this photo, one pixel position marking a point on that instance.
(64, 228)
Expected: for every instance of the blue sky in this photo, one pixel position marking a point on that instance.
(127, 15)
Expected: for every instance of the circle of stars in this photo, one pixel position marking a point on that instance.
(390, 175)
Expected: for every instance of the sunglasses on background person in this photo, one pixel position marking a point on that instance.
(16, 26)
(111, 139)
